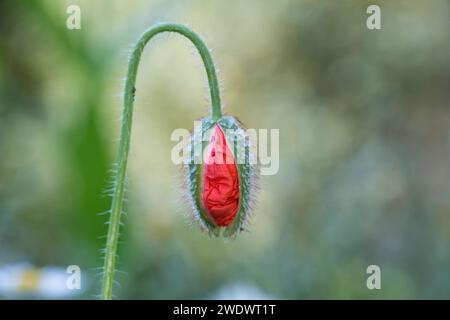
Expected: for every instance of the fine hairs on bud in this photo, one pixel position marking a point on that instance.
(220, 194)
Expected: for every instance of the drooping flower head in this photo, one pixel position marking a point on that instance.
(220, 177)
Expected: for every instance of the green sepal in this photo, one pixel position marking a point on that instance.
(247, 175)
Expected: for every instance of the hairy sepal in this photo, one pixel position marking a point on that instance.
(247, 173)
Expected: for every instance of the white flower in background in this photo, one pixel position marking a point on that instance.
(240, 291)
(25, 280)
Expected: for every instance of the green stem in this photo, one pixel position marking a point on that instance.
(124, 144)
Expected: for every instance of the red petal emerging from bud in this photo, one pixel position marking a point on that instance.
(220, 181)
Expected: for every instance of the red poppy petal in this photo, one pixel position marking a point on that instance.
(220, 193)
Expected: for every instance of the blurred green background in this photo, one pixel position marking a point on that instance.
(364, 123)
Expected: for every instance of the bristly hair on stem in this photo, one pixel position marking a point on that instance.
(118, 188)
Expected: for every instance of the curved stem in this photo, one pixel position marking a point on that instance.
(124, 144)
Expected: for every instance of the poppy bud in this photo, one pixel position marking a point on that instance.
(220, 177)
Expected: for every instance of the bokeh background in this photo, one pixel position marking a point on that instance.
(364, 123)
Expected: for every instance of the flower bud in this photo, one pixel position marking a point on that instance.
(220, 177)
